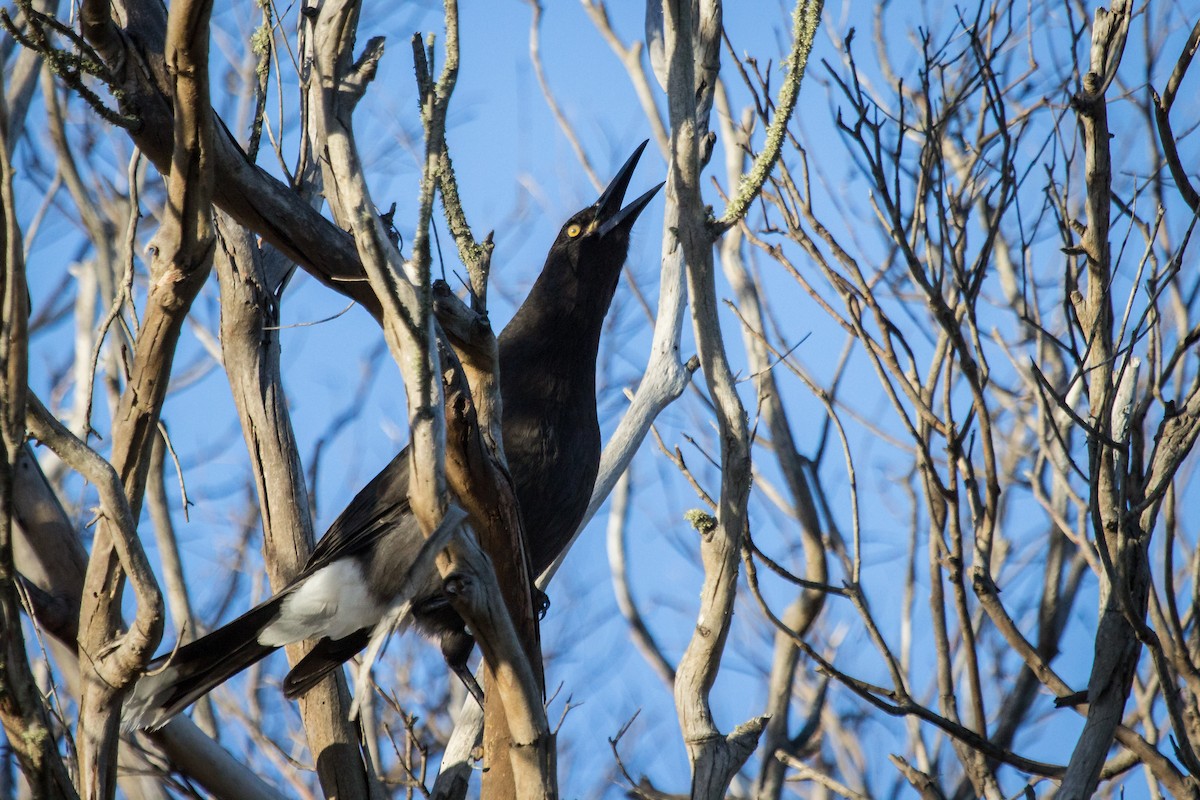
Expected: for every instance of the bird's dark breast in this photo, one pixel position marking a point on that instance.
(554, 456)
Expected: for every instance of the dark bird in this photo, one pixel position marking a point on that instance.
(551, 439)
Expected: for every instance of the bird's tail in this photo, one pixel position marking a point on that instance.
(326, 656)
(175, 681)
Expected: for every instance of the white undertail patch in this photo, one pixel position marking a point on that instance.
(334, 601)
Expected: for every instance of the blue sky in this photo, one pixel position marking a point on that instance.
(519, 177)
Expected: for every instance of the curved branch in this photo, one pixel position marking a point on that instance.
(448, 451)
(23, 714)
(639, 630)
(1162, 117)
(805, 19)
(183, 250)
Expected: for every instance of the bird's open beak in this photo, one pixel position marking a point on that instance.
(609, 213)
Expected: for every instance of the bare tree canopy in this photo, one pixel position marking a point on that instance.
(899, 396)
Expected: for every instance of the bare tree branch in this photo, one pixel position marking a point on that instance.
(22, 711)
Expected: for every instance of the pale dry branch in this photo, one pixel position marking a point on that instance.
(1162, 116)
(1126, 578)
(803, 772)
(630, 56)
(401, 289)
(183, 249)
(461, 754)
(897, 702)
(643, 638)
(953, 207)
(23, 713)
(404, 291)
(802, 613)
(805, 18)
(117, 510)
(535, 58)
(251, 353)
(714, 757)
(178, 602)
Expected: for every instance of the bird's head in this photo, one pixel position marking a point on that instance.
(584, 263)
(595, 241)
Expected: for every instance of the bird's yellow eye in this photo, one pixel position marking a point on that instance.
(573, 231)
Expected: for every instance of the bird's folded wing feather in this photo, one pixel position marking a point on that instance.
(372, 513)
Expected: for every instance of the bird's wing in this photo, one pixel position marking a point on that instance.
(371, 514)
